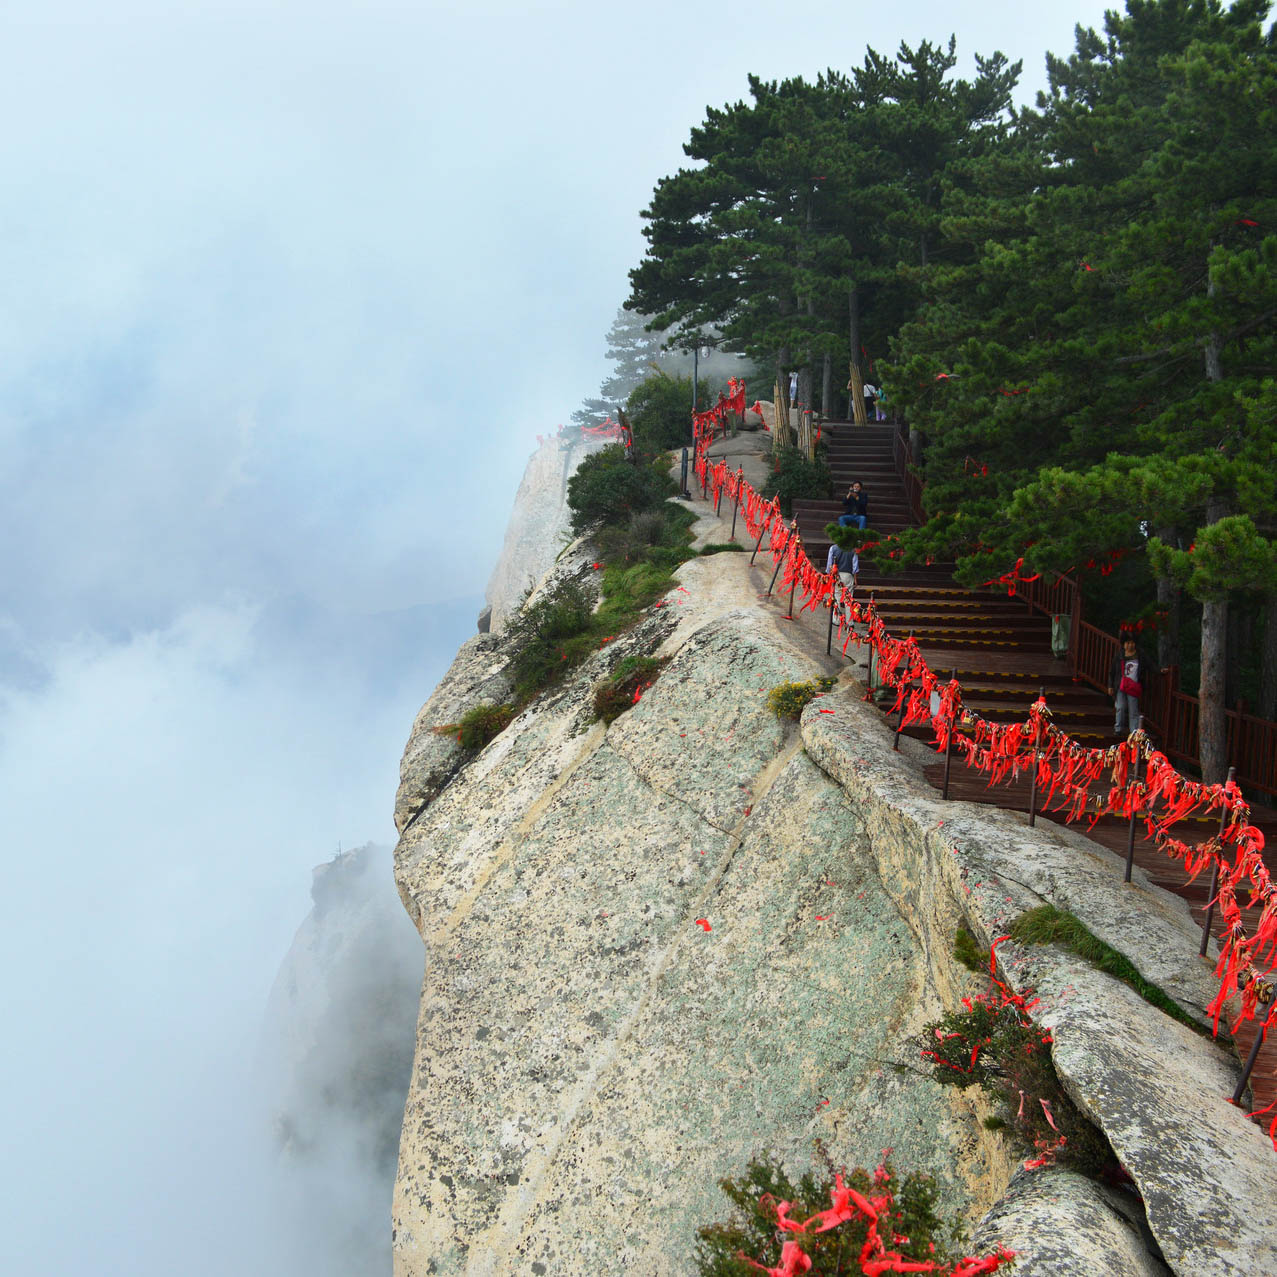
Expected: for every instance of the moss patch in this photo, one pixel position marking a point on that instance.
(788, 700)
(968, 953)
(1049, 925)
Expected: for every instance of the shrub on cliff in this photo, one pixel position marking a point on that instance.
(478, 725)
(844, 1223)
(994, 1043)
(608, 488)
(658, 536)
(546, 637)
(792, 475)
(660, 412)
(625, 688)
(788, 700)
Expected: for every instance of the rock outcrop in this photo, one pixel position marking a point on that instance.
(659, 948)
(540, 524)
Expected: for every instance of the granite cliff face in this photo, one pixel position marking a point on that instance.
(591, 1059)
(540, 524)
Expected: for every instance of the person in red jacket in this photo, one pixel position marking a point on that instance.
(1126, 687)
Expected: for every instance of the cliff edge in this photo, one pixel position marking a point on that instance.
(659, 948)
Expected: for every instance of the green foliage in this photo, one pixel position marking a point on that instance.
(608, 487)
(541, 633)
(1049, 925)
(792, 475)
(720, 547)
(658, 536)
(625, 686)
(992, 1044)
(660, 412)
(968, 953)
(478, 725)
(628, 589)
(788, 700)
(751, 1231)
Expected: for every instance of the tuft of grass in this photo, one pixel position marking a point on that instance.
(968, 953)
(721, 547)
(788, 700)
(1049, 925)
(478, 725)
(626, 685)
(994, 1124)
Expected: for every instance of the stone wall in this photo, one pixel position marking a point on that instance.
(590, 1060)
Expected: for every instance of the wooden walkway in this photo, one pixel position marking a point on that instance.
(1000, 652)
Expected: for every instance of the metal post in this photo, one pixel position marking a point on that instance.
(833, 607)
(740, 471)
(793, 585)
(705, 474)
(1214, 879)
(1249, 1066)
(793, 528)
(718, 500)
(682, 480)
(948, 749)
(1130, 833)
(762, 532)
(904, 705)
(1033, 780)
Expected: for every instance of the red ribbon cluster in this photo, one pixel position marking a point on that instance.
(1066, 771)
(608, 429)
(704, 424)
(1013, 578)
(876, 1256)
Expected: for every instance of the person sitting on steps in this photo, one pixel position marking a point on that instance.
(855, 507)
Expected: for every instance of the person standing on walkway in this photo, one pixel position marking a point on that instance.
(871, 394)
(1126, 686)
(880, 404)
(855, 507)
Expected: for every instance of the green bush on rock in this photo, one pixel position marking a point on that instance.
(916, 1230)
(478, 725)
(788, 700)
(607, 486)
(631, 678)
(794, 476)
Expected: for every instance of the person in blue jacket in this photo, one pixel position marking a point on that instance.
(855, 507)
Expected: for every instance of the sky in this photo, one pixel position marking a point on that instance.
(288, 292)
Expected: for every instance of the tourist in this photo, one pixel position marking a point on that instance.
(871, 393)
(1126, 687)
(848, 564)
(880, 404)
(855, 507)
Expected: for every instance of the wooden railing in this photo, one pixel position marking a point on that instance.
(1169, 714)
(905, 469)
